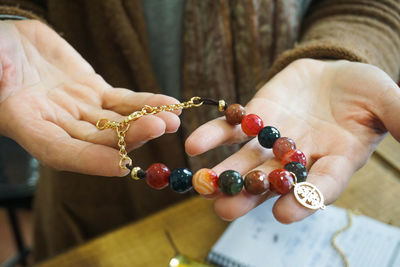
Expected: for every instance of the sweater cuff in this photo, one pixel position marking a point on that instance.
(18, 12)
(355, 32)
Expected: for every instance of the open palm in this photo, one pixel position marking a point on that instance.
(336, 111)
(51, 99)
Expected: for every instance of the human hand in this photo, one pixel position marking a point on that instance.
(335, 111)
(51, 99)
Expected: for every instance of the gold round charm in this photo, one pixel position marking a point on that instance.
(309, 196)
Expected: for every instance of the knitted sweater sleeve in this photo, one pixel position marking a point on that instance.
(21, 9)
(366, 31)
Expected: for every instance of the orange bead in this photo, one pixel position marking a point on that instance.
(205, 181)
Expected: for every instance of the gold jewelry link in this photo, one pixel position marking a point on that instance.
(194, 99)
(148, 110)
(121, 133)
(122, 160)
(349, 214)
(122, 127)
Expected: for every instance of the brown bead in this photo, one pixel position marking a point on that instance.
(282, 146)
(256, 182)
(234, 114)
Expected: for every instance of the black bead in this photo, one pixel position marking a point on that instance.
(180, 180)
(129, 167)
(267, 136)
(298, 169)
(230, 182)
(141, 174)
(225, 106)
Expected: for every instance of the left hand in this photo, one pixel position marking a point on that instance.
(51, 99)
(335, 111)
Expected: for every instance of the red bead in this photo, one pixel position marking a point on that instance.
(280, 181)
(294, 155)
(157, 176)
(282, 146)
(252, 124)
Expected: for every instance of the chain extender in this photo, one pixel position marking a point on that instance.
(122, 127)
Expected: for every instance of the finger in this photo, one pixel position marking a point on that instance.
(232, 207)
(52, 47)
(228, 207)
(212, 134)
(251, 157)
(65, 153)
(390, 108)
(124, 101)
(218, 132)
(171, 120)
(140, 131)
(330, 175)
(252, 154)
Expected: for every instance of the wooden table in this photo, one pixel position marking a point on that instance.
(374, 191)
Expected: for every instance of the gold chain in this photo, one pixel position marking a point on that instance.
(338, 232)
(122, 127)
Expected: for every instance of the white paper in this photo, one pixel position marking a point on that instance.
(257, 239)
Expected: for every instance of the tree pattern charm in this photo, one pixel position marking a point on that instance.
(309, 196)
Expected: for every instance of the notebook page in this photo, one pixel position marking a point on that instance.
(257, 239)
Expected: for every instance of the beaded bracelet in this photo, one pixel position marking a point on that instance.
(230, 182)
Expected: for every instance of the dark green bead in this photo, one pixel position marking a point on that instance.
(298, 169)
(267, 136)
(230, 182)
(180, 180)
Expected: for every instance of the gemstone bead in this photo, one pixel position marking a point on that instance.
(234, 114)
(256, 182)
(282, 146)
(157, 176)
(267, 136)
(252, 124)
(205, 182)
(298, 169)
(230, 182)
(180, 180)
(280, 181)
(294, 155)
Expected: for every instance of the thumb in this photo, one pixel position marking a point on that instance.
(390, 108)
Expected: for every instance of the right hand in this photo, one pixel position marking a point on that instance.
(51, 99)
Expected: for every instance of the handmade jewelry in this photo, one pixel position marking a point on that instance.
(230, 182)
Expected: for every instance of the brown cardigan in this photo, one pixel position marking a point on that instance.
(230, 48)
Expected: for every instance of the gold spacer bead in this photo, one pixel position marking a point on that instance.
(295, 177)
(134, 173)
(221, 105)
